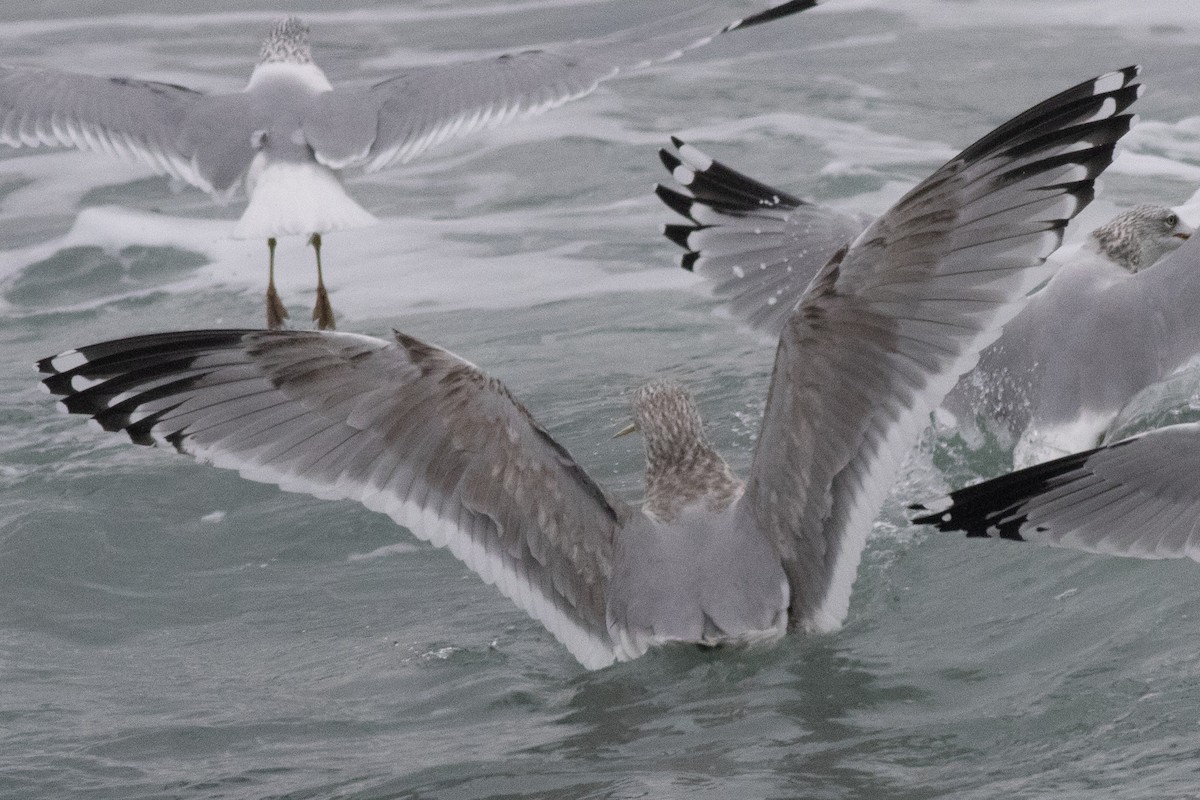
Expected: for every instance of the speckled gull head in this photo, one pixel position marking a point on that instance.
(681, 466)
(1140, 236)
(286, 43)
(668, 420)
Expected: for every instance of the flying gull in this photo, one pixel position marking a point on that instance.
(413, 431)
(1136, 497)
(289, 134)
(1100, 331)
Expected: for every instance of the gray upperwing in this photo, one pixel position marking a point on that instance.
(125, 117)
(427, 105)
(1137, 497)
(403, 427)
(1087, 343)
(886, 329)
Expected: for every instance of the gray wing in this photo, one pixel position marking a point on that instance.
(759, 246)
(1133, 333)
(1137, 497)
(404, 428)
(397, 119)
(890, 324)
(205, 141)
(1086, 345)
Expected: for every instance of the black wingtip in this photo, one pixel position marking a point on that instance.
(678, 202)
(669, 159)
(919, 514)
(1080, 101)
(778, 12)
(679, 234)
(723, 188)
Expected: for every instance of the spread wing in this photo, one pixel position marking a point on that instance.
(203, 140)
(403, 427)
(428, 105)
(758, 245)
(891, 323)
(1137, 497)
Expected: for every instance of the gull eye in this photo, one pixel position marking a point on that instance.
(1171, 220)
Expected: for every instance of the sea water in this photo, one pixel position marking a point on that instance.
(171, 630)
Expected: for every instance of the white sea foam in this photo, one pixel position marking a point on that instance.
(399, 548)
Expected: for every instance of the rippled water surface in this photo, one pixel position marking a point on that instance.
(170, 630)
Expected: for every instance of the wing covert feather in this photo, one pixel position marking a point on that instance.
(172, 129)
(889, 325)
(405, 428)
(427, 105)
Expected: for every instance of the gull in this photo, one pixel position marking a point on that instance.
(1105, 327)
(1136, 497)
(1117, 317)
(411, 430)
(289, 134)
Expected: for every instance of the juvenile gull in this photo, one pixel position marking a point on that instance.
(411, 430)
(1136, 497)
(289, 134)
(1100, 331)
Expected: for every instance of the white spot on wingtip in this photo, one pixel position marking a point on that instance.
(65, 362)
(1109, 83)
(1106, 110)
(694, 157)
(684, 175)
(79, 383)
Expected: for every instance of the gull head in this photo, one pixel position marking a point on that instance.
(1136, 238)
(287, 43)
(681, 466)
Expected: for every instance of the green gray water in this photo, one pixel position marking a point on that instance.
(169, 630)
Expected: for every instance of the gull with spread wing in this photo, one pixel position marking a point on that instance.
(289, 134)
(1111, 322)
(1119, 316)
(411, 430)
